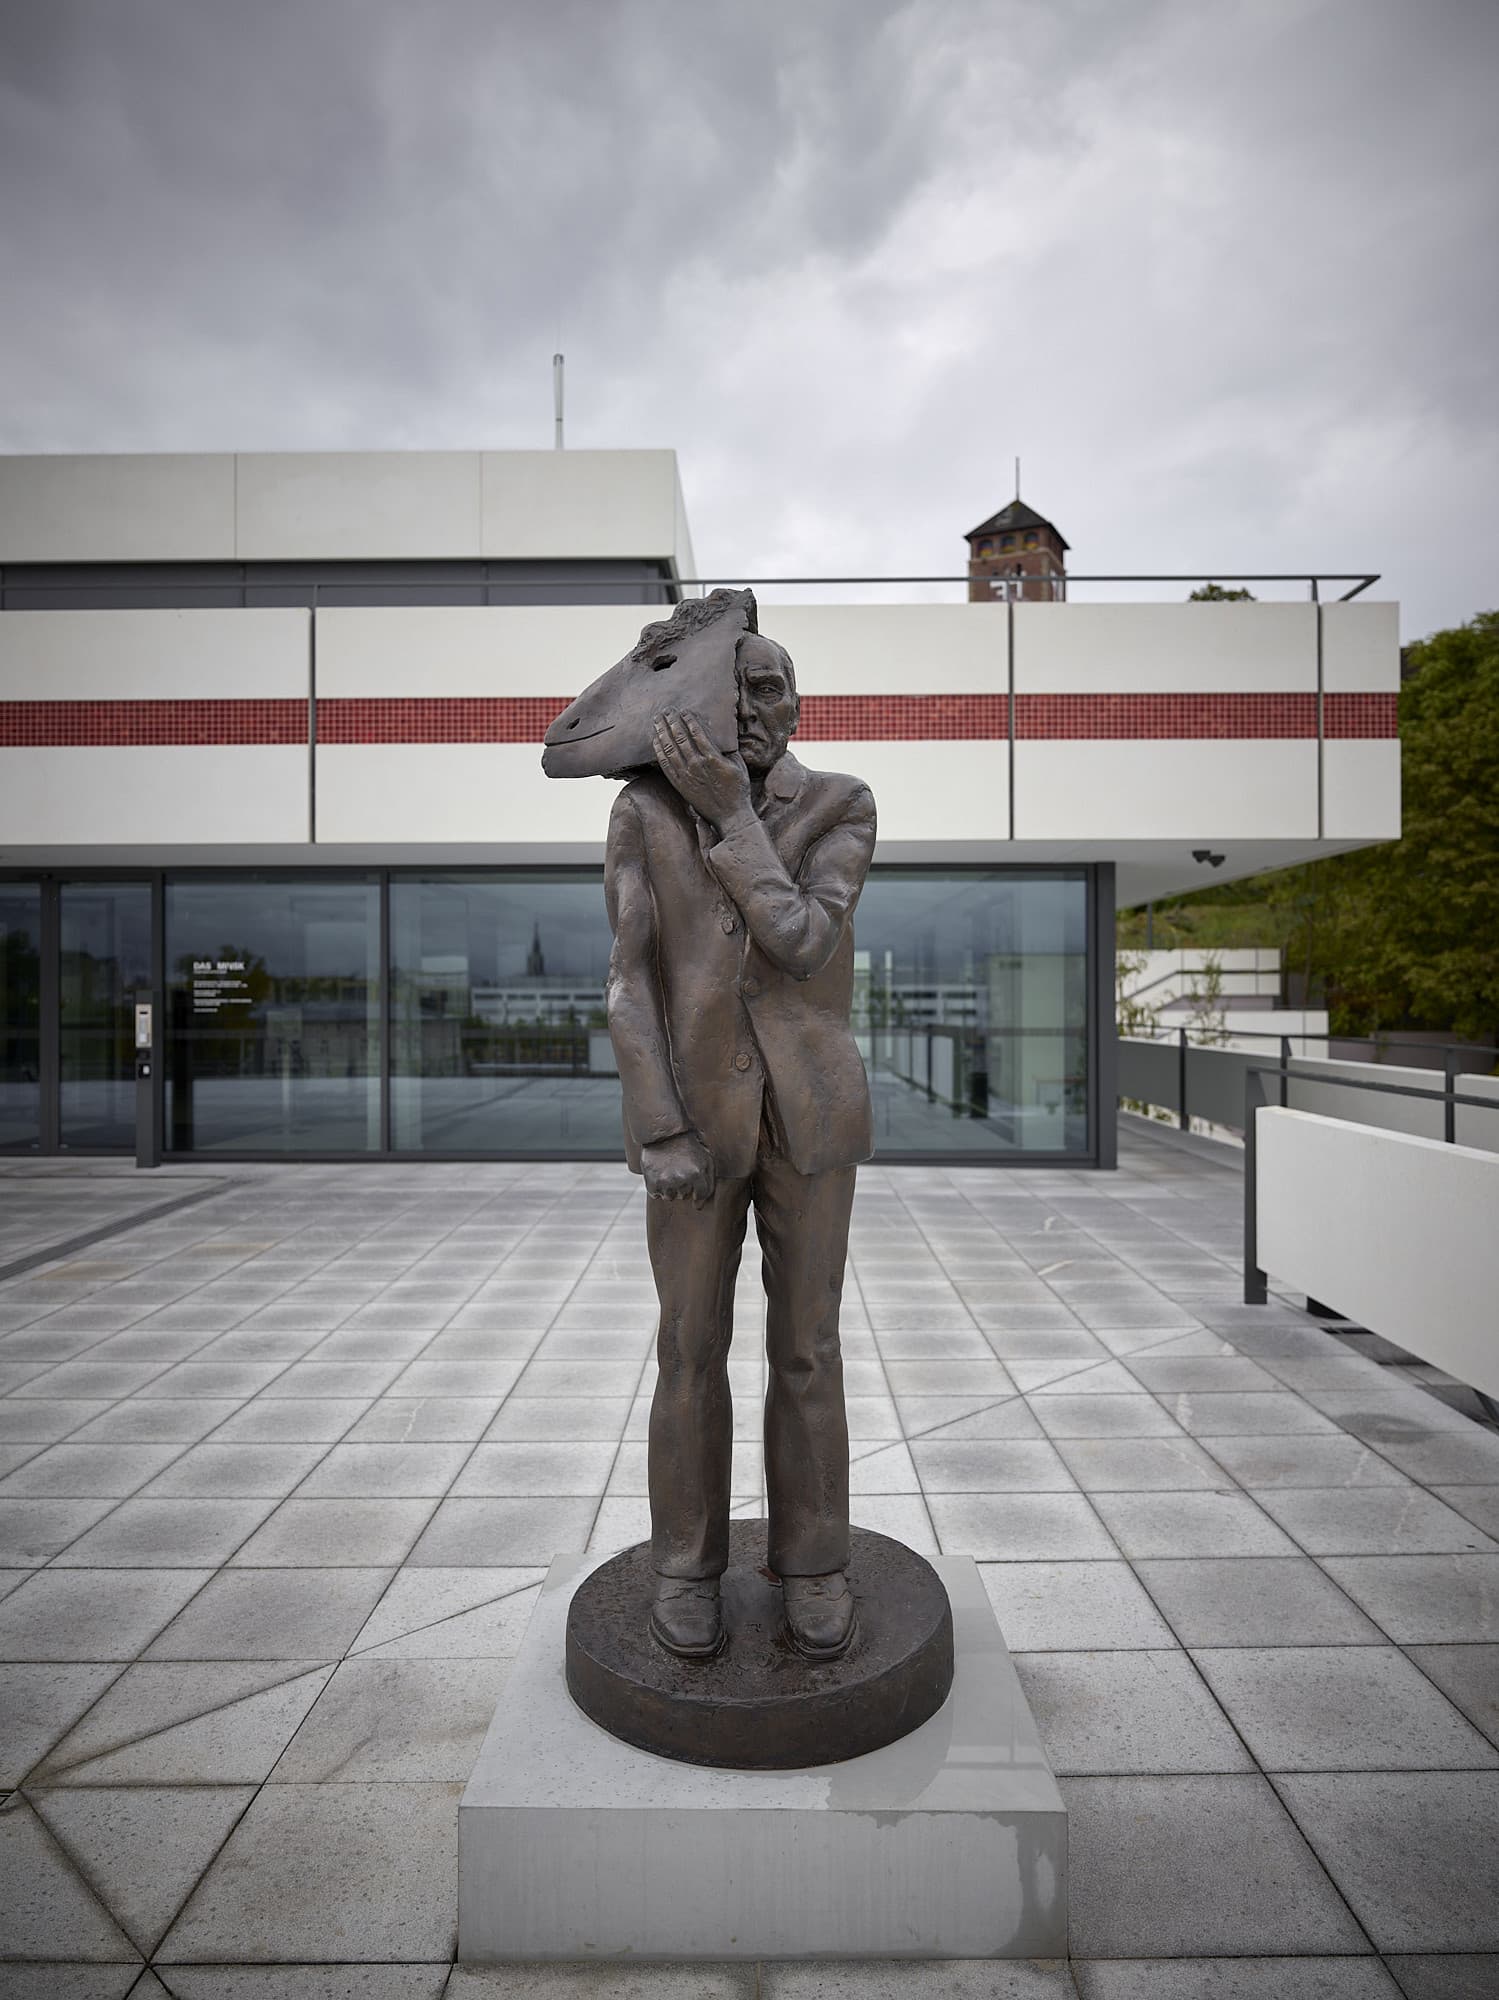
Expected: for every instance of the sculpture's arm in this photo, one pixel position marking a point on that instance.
(637, 1021)
(797, 924)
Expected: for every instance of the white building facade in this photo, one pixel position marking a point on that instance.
(270, 754)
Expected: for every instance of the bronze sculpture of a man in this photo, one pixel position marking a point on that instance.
(731, 876)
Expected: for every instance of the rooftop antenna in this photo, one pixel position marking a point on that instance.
(557, 401)
(1017, 478)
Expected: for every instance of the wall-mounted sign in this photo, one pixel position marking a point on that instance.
(219, 982)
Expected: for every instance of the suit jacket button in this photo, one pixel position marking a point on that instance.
(728, 925)
(751, 988)
(743, 1060)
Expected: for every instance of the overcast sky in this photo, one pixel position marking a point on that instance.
(1222, 272)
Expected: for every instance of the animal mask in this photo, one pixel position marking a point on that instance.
(684, 662)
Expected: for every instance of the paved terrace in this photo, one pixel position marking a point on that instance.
(282, 1469)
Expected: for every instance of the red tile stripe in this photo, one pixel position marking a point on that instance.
(55, 725)
(825, 719)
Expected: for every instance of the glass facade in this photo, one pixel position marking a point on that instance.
(273, 1014)
(20, 1014)
(104, 960)
(461, 1012)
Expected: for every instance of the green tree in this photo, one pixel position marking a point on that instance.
(1214, 593)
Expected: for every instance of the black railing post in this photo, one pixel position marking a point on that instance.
(1450, 1061)
(1285, 1070)
(1183, 1116)
(1254, 1277)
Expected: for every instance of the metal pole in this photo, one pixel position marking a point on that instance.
(1285, 1068)
(1450, 1061)
(1183, 1117)
(1254, 1277)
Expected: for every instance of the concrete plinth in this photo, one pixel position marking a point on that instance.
(951, 1843)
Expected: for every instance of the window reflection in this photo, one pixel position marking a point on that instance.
(499, 1036)
(273, 1014)
(106, 959)
(971, 1010)
(20, 1014)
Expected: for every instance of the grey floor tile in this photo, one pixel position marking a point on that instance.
(1304, 1461)
(1448, 1457)
(337, 1379)
(512, 1470)
(1387, 1416)
(373, 1866)
(101, 1380)
(1341, 1708)
(1019, 1527)
(106, 1471)
(429, 1420)
(293, 1420)
(958, 1418)
(39, 1703)
(1072, 1607)
(33, 1421)
(142, 1849)
(620, 1981)
(237, 1379)
(44, 1903)
(1425, 1600)
(1478, 1504)
(561, 1419)
(497, 1533)
(869, 1979)
(395, 1721)
(1214, 1373)
(32, 1531)
(1139, 1465)
(1378, 1521)
(451, 1614)
(1447, 1975)
(190, 1533)
(353, 1470)
(1127, 1712)
(1468, 1676)
(905, 1516)
(214, 1470)
(1021, 1465)
(54, 1980)
(92, 1614)
(1105, 1417)
(310, 1982)
(1190, 1524)
(181, 1420)
(1187, 1867)
(272, 1614)
(1208, 1414)
(1235, 1979)
(190, 1723)
(1255, 1601)
(1416, 1853)
(317, 1534)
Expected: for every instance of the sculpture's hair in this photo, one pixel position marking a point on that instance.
(691, 615)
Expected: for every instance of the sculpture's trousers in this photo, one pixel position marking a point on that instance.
(802, 1222)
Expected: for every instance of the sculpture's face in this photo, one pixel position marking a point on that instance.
(607, 730)
(767, 704)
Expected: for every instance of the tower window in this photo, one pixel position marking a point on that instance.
(1008, 542)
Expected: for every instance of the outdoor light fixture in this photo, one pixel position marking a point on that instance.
(1207, 855)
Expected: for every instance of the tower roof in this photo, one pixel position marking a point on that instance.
(1016, 515)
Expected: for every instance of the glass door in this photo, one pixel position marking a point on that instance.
(20, 1015)
(105, 958)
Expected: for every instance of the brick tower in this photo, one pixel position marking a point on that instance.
(1016, 555)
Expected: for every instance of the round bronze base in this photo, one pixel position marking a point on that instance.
(759, 1704)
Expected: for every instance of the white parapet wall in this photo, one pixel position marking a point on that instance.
(1395, 1231)
(1474, 1125)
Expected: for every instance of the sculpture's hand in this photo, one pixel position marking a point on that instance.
(716, 786)
(677, 1168)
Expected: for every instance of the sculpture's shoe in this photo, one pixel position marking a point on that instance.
(686, 1618)
(819, 1614)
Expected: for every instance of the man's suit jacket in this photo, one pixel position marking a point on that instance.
(733, 967)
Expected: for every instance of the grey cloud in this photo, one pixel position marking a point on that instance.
(1222, 274)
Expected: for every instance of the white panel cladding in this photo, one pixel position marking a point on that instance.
(1165, 648)
(153, 655)
(402, 651)
(911, 649)
(1396, 1232)
(926, 791)
(1194, 791)
(453, 792)
(357, 505)
(574, 504)
(1361, 647)
(184, 797)
(1361, 789)
(172, 507)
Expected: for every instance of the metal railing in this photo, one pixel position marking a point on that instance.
(1455, 1058)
